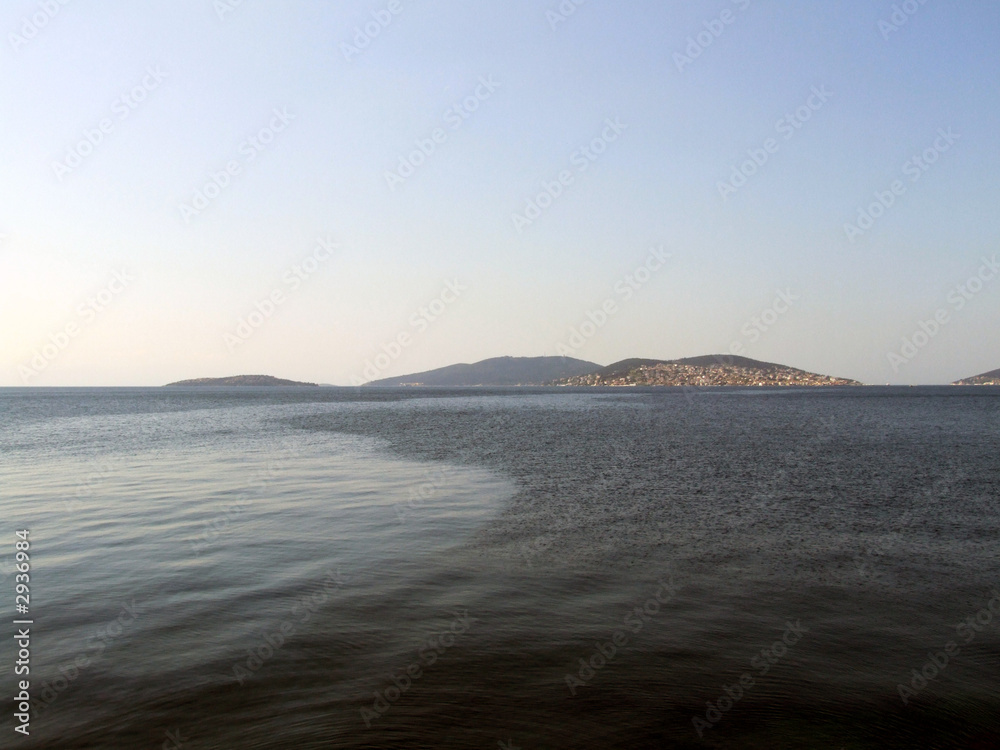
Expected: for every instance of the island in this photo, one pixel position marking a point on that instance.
(496, 371)
(709, 370)
(243, 380)
(987, 378)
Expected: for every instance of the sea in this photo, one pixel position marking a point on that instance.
(501, 568)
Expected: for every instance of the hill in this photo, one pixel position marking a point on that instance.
(987, 378)
(622, 368)
(252, 380)
(710, 370)
(497, 371)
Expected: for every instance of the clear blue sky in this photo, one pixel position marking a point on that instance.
(209, 77)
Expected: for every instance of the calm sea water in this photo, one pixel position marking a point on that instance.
(299, 568)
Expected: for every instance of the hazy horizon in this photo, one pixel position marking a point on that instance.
(211, 188)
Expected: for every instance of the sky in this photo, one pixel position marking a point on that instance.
(337, 191)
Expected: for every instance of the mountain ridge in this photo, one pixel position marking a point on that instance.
(241, 380)
(495, 371)
(712, 369)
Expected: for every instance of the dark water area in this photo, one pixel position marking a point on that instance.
(500, 568)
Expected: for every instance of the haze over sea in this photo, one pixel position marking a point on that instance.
(412, 568)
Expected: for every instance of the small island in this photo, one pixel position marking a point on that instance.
(243, 380)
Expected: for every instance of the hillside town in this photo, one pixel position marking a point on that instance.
(987, 378)
(706, 375)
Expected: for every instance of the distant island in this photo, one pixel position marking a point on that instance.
(250, 380)
(496, 371)
(987, 378)
(711, 370)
